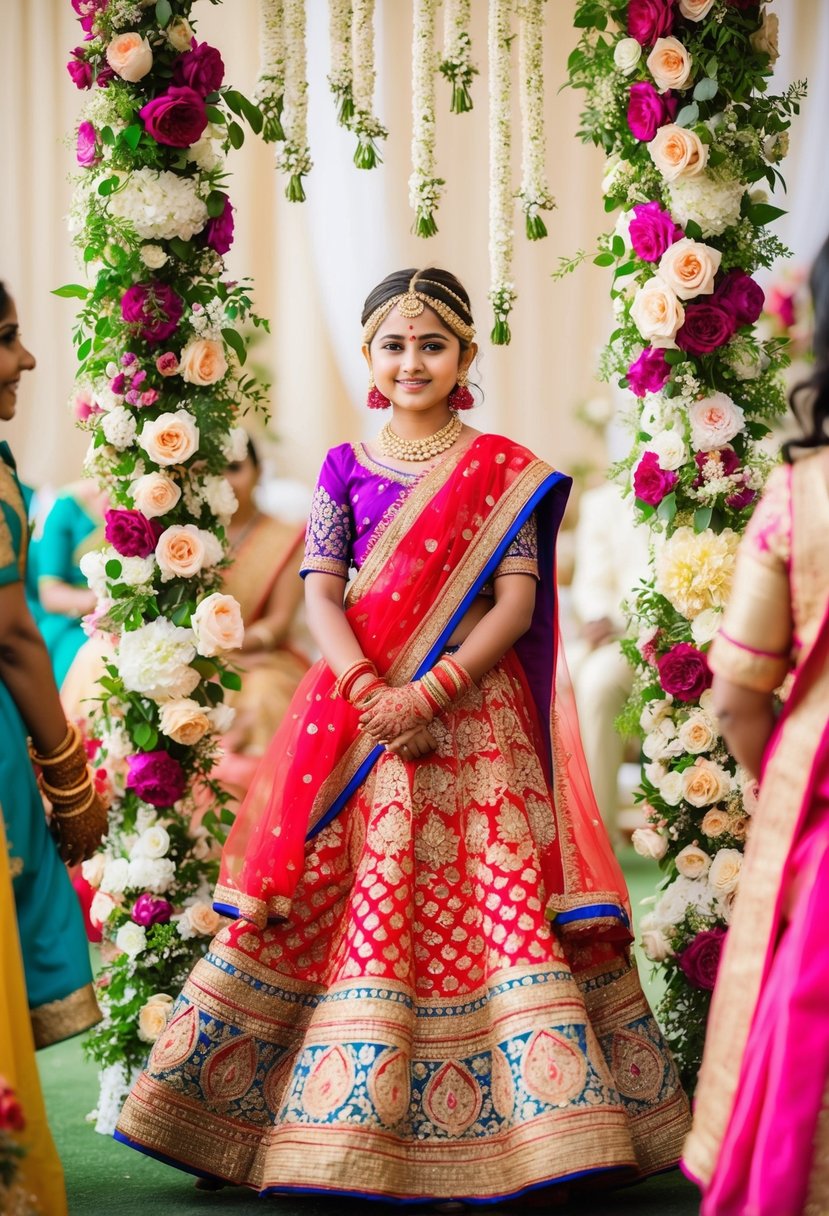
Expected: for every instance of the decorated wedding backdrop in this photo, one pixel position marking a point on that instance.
(677, 98)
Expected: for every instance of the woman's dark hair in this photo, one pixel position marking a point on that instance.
(433, 282)
(5, 299)
(253, 455)
(809, 400)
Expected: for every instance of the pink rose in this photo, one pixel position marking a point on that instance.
(648, 110)
(156, 777)
(87, 149)
(151, 910)
(177, 118)
(684, 672)
(652, 483)
(649, 372)
(167, 364)
(218, 233)
(131, 534)
(740, 296)
(201, 68)
(154, 309)
(649, 20)
(707, 326)
(715, 420)
(12, 1118)
(652, 231)
(700, 960)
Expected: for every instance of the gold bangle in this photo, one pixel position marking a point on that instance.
(72, 792)
(67, 747)
(79, 810)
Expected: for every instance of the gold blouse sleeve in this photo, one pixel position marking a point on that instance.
(753, 647)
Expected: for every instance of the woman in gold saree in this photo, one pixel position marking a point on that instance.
(427, 992)
(760, 1141)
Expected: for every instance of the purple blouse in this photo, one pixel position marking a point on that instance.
(356, 497)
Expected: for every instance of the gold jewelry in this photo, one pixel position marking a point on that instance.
(415, 450)
(463, 377)
(410, 303)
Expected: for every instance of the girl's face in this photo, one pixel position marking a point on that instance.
(14, 359)
(415, 360)
(243, 476)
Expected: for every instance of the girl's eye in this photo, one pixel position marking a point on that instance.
(436, 347)
(392, 346)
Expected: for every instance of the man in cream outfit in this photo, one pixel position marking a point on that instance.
(611, 557)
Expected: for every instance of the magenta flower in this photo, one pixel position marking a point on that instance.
(652, 483)
(177, 118)
(87, 148)
(649, 20)
(725, 456)
(150, 910)
(741, 499)
(652, 231)
(649, 372)
(87, 11)
(649, 110)
(707, 326)
(218, 233)
(167, 364)
(157, 778)
(79, 69)
(149, 397)
(741, 296)
(131, 533)
(684, 672)
(201, 68)
(700, 960)
(154, 309)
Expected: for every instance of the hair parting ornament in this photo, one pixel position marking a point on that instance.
(410, 303)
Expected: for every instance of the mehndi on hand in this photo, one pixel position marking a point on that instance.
(398, 710)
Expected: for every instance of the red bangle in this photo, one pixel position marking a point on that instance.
(345, 683)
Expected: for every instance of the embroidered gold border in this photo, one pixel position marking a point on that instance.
(58, 1020)
(397, 475)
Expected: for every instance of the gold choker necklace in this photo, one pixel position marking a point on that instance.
(394, 445)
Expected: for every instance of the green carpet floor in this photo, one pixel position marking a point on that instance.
(106, 1179)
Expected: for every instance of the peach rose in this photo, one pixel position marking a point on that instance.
(670, 64)
(170, 438)
(715, 822)
(649, 843)
(218, 625)
(704, 783)
(724, 875)
(715, 421)
(765, 40)
(696, 734)
(183, 550)
(183, 721)
(655, 944)
(695, 10)
(692, 861)
(657, 313)
(130, 56)
(180, 33)
(154, 494)
(689, 267)
(203, 362)
(751, 795)
(153, 1017)
(740, 826)
(203, 919)
(677, 152)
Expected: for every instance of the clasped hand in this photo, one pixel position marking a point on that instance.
(399, 718)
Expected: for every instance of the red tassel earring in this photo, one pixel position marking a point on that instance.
(461, 398)
(375, 399)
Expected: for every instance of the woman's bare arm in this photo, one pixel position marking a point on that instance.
(64, 599)
(507, 620)
(746, 719)
(281, 608)
(26, 671)
(327, 621)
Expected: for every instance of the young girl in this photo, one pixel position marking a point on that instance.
(428, 992)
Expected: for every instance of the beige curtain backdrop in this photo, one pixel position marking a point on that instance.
(312, 264)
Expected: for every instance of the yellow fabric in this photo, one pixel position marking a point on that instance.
(40, 1172)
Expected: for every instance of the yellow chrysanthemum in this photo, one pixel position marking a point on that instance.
(694, 570)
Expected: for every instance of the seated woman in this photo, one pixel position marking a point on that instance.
(264, 578)
(74, 526)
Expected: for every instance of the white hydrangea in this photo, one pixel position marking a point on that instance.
(681, 895)
(709, 202)
(136, 571)
(154, 660)
(119, 427)
(160, 205)
(218, 493)
(204, 153)
(235, 444)
(154, 874)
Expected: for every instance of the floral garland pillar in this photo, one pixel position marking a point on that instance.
(424, 187)
(677, 98)
(502, 293)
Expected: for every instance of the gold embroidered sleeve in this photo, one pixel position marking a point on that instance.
(328, 538)
(522, 555)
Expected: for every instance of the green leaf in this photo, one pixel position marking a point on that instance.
(230, 679)
(705, 89)
(163, 12)
(688, 115)
(235, 134)
(693, 230)
(236, 343)
(253, 115)
(603, 259)
(113, 568)
(182, 249)
(71, 291)
(182, 615)
(763, 213)
(702, 518)
(673, 357)
(85, 349)
(215, 203)
(144, 735)
(667, 509)
(216, 115)
(107, 136)
(132, 135)
(233, 100)
(617, 246)
(621, 271)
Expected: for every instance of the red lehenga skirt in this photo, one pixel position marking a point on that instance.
(417, 1029)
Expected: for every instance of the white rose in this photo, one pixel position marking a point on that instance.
(131, 938)
(695, 10)
(218, 625)
(655, 773)
(171, 438)
(221, 717)
(626, 55)
(93, 568)
(654, 942)
(689, 268)
(661, 743)
(715, 420)
(670, 789)
(678, 152)
(670, 64)
(654, 712)
(724, 875)
(116, 743)
(649, 843)
(670, 447)
(697, 735)
(705, 626)
(152, 873)
(153, 256)
(93, 869)
(154, 841)
(154, 494)
(657, 313)
(692, 861)
(119, 427)
(115, 876)
(765, 41)
(100, 908)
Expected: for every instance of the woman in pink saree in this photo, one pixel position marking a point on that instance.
(760, 1140)
(426, 991)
